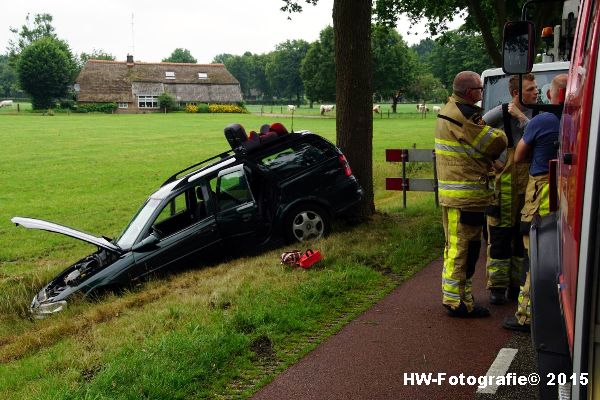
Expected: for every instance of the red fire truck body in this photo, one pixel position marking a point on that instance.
(565, 245)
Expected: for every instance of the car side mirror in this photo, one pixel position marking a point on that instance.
(148, 243)
(518, 47)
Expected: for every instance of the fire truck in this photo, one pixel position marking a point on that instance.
(565, 245)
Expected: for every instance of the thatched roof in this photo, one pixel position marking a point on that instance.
(103, 81)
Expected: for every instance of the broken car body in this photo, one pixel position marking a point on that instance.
(281, 185)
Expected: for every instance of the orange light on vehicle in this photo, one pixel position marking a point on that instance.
(547, 32)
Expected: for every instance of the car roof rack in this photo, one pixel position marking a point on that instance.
(220, 156)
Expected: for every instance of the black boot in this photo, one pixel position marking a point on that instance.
(514, 325)
(498, 296)
(461, 311)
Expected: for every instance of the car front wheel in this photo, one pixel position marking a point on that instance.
(308, 222)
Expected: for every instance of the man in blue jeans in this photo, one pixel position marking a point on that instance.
(538, 144)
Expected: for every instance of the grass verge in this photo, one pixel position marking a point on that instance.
(216, 332)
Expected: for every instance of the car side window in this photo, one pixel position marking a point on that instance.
(173, 207)
(175, 216)
(231, 190)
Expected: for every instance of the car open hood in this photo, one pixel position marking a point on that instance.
(31, 223)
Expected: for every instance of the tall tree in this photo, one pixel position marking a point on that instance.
(46, 69)
(318, 68)
(180, 55)
(484, 16)
(354, 89)
(394, 64)
(427, 88)
(8, 78)
(283, 69)
(32, 30)
(354, 118)
(249, 70)
(453, 53)
(95, 55)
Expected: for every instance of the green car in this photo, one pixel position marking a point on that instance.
(270, 186)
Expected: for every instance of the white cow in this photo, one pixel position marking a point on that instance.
(376, 109)
(326, 108)
(437, 109)
(291, 107)
(6, 103)
(422, 108)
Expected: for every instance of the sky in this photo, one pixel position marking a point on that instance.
(205, 27)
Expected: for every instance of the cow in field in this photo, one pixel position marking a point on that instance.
(376, 108)
(437, 109)
(422, 108)
(6, 103)
(326, 108)
(291, 107)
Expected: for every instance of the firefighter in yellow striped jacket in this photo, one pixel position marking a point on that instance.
(538, 144)
(465, 150)
(505, 250)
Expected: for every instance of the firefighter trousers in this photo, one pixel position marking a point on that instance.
(537, 201)
(505, 249)
(462, 229)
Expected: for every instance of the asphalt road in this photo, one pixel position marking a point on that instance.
(407, 332)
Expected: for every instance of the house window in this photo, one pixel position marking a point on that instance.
(202, 75)
(147, 101)
(123, 105)
(169, 74)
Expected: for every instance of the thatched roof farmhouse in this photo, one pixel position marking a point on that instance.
(135, 86)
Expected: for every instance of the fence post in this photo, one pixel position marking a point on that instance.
(435, 179)
(404, 184)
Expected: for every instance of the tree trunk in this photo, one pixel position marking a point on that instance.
(395, 99)
(354, 90)
(486, 31)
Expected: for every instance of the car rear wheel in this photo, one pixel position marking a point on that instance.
(307, 222)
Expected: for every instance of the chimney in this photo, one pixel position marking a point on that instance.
(130, 60)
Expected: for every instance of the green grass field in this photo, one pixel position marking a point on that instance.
(402, 111)
(209, 332)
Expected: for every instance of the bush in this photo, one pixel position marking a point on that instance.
(67, 104)
(226, 108)
(96, 107)
(191, 108)
(166, 102)
(203, 108)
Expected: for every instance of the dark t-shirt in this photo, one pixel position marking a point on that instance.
(541, 133)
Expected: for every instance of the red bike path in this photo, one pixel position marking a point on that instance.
(407, 331)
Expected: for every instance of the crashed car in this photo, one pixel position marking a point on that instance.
(269, 185)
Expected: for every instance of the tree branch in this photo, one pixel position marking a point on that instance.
(486, 31)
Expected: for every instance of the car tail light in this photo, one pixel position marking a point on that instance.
(345, 165)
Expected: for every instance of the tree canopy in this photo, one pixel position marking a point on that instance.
(46, 69)
(30, 31)
(394, 64)
(283, 69)
(8, 78)
(318, 68)
(180, 55)
(95, 55)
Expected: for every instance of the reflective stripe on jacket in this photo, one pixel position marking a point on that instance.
(465, 148)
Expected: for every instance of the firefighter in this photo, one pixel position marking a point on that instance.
(538, 144)
(505, 243)
(465, 149)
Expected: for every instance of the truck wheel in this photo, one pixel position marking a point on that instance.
(306, 222)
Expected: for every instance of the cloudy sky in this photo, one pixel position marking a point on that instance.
(205, 27)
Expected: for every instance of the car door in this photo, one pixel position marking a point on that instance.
(238, 218)
(186, 235)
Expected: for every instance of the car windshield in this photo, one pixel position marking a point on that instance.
(133, 229)
(496, 92)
